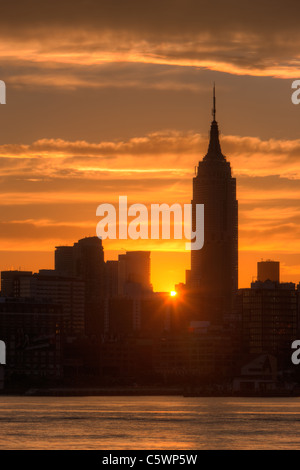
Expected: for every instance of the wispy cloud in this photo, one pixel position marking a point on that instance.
(257, 38)
(56, 172)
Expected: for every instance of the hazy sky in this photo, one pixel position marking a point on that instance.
(109, 98)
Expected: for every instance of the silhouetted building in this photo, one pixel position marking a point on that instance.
(134, 273)
(188, 277)
(269, 314)
(85, 260)
(111, 278)
(257, 374)
(64, 260)
(214, 268)
(68, 292)
(203, 354)
(268, 271)
(147, 315)
(31, 331)
(89, 265)
(126, 361)
(10, 282)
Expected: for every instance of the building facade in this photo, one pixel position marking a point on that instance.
(269, 313)
(214, 268)
(32, 333)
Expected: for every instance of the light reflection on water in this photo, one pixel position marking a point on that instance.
(149, 423)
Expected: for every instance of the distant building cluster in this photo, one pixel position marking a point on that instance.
(89, 322)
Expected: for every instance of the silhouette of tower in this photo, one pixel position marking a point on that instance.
(85, 260)
(214, 268)
(89, 265)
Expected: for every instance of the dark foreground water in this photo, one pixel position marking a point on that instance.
(149, 423)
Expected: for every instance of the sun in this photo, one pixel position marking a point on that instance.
(173, 293)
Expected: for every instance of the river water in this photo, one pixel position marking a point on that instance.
(111, 423)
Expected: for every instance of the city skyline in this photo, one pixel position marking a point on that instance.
(78, 125)
(160, 255)
(150, 227)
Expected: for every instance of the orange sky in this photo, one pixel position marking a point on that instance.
(111, 101)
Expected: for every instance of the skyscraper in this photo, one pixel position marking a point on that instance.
(64, 259)
(214, 268)
(85, 260)
(49, 285)
(134, 270)
(269, 314)
(268, 270)
(10, 282)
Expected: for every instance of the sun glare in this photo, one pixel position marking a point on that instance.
(173, 293)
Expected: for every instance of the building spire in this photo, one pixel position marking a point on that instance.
(214, 149)
(214, 103)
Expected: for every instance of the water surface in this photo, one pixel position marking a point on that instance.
(108, 423)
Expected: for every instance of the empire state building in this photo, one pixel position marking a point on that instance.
(214, 268)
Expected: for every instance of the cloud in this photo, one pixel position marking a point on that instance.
(259, 164)
(50, 189)
(245, 38)
(156, 167)
(120, 75)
